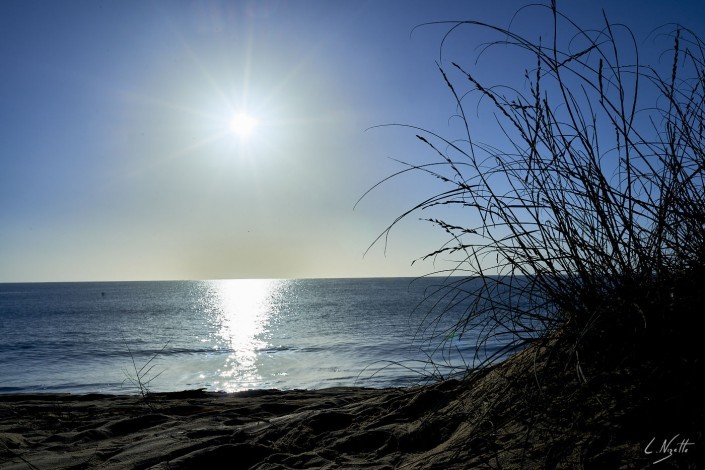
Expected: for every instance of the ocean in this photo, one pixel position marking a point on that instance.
(227, 335)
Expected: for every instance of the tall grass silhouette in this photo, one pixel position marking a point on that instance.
(586, 224)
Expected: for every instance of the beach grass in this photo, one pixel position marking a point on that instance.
(142, 376)
(585, 216)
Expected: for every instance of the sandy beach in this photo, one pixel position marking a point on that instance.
(492, 419)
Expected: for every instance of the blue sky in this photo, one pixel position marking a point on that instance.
(118, 161)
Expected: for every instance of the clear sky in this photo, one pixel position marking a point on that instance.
(119, 158)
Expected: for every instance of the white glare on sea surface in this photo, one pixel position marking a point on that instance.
(243, 310)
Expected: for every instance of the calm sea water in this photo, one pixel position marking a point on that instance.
(222, 335)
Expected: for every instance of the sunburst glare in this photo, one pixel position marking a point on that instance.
(243, 124)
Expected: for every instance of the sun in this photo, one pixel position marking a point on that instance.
(243, 124)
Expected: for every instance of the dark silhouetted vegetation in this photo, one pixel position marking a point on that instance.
(596, 198)
(579, 229)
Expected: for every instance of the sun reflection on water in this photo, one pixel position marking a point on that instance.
(241, 312)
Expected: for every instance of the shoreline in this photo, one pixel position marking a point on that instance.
(496, 417)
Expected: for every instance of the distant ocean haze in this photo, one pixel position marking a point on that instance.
(228, 335)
